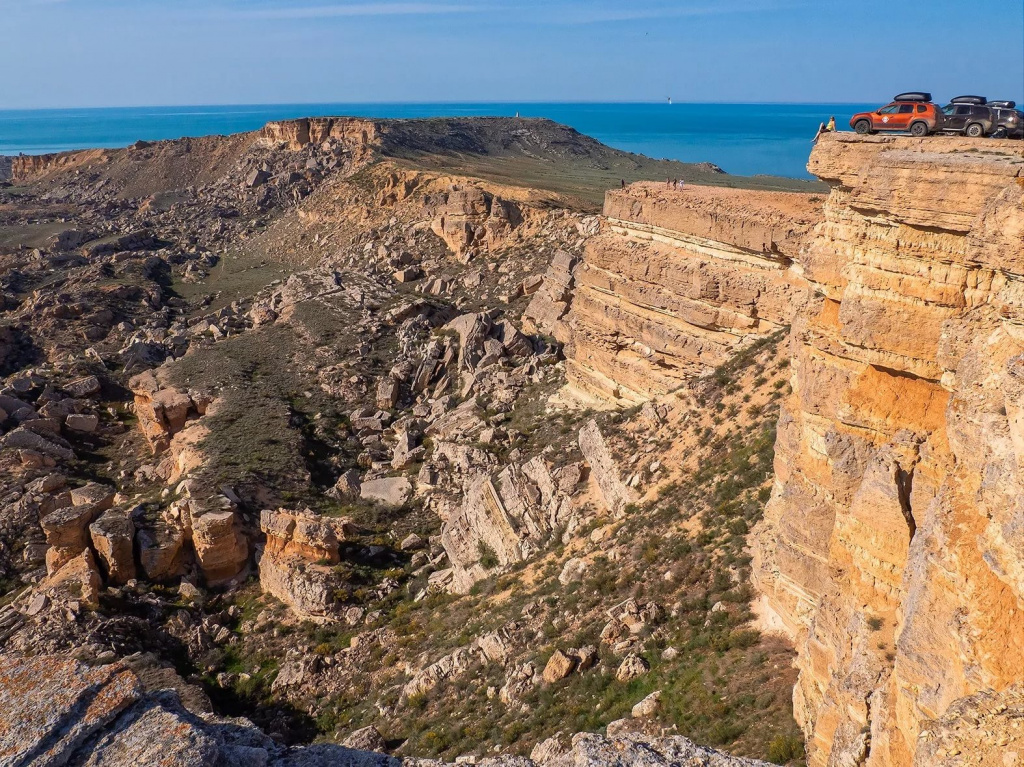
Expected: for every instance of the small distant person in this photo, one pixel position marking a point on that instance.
(829, 127)
(623, 182)
(680, 184)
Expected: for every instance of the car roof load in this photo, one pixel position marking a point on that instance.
(913, 96)
(1003, 104)
(977, 100)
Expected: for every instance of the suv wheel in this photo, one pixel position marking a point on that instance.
(919, 129)
(975, 130)
(862, 127)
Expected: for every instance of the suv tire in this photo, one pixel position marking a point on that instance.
(975, 130)
(863, 127)
(919, 129)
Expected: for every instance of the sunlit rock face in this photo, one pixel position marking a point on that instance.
(892, 545)
(677, 281)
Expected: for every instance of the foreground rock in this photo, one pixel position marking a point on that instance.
(58, 711)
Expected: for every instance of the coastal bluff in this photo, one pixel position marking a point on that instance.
(891, 548)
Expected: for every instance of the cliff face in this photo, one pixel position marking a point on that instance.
(677, 281)
(351, 131)
(892, 545)
(892, 542)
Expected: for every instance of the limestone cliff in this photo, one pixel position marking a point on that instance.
(891, 547)
(677, 281)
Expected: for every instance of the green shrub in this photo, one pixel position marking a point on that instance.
(785, 748)
(488, 558)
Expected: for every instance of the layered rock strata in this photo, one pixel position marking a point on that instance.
(892, 544)
(506, 518)
(891, 547)
(295, 565)
(675, 283)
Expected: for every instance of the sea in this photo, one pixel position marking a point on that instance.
(743, 139)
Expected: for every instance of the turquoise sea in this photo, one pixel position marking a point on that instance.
(745, 139)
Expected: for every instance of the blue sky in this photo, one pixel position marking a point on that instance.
(71, 53)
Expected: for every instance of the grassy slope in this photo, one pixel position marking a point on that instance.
(684, 548)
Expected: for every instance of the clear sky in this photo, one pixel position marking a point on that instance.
(72, 53)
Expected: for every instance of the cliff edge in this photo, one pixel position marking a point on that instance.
(891, 549)
(892, 542)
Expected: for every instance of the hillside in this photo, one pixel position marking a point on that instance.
(374, 433)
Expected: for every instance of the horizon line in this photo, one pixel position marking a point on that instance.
(427, 103)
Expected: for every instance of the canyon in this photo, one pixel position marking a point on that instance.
(336, 427)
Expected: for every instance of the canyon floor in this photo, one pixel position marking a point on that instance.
(353, 441)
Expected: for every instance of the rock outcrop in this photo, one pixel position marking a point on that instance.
(892, 542)
(676, 282)
(503, 519)
(467, 218)
(163, 410)
(59, 711)
(296, 562)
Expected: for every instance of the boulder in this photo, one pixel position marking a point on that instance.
(632, 666)
(295, 566)
(558, 667)
(78, 580)
(66, 533)
(387, 393)
(93, 494)
(347, 486)
(221, 548)
(23, 438)
(112, 536)
(411, 542)
(365, 739)
(81, 388)
(81, 422)
(572, 571)
(585, 656)
(648, 707)
(604, 470)
(161, 550)
(515, 343)
(390, 491)
(473, 330)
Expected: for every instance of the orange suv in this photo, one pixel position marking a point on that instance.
(911, 112)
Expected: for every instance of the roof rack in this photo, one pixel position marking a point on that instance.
(1003, 104)
(913, 96)
(976, 100)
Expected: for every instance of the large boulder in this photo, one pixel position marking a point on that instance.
(295, 565)
(162, 549)
(66, 532)
(604, 469)
(389, 491)
(220, 546)
(113, 536)
(77, 581)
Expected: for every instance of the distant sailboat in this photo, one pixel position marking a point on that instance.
(669, 99)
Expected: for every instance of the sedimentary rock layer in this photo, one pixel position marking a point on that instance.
(677, 281)
(892, 545)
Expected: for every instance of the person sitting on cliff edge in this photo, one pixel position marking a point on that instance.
(829, 127)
